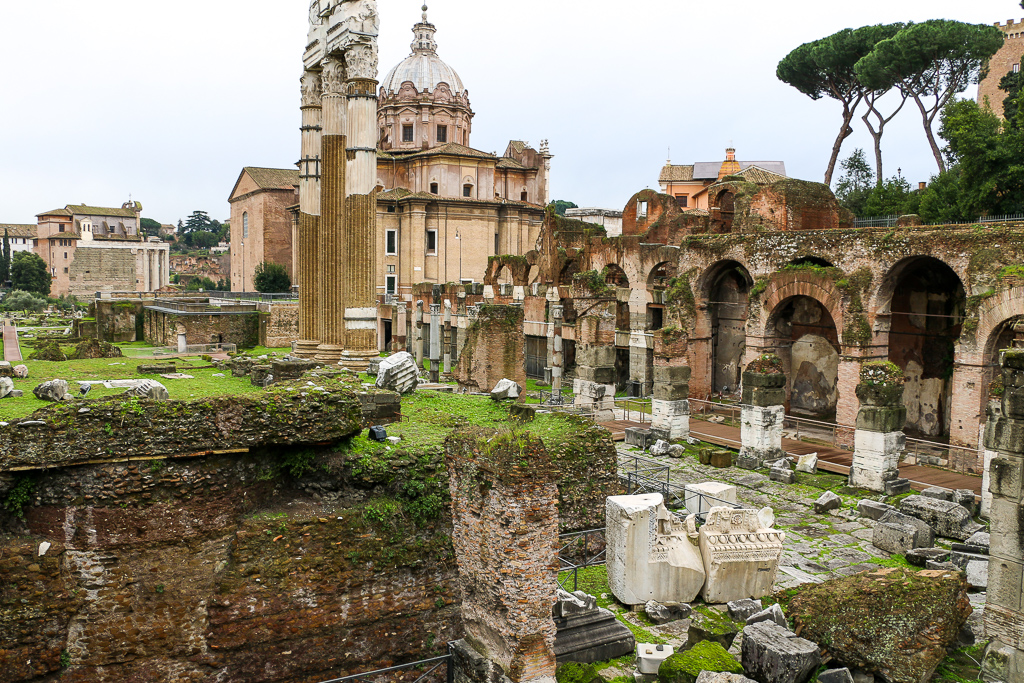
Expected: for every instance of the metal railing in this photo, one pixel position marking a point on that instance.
(578, 551)
(876, 222)
(429, 667)
(640, 407)
(891, 221)
(253, 296)
(944, 455)
(703, 410)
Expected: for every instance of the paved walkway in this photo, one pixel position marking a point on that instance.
(12, 350)
(830, 459)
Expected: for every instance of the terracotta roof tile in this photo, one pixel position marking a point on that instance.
(55, 212)
(760, 176)
(273, 178)
(82, 210)
(454, 149)
(19, 230)
(678, 174)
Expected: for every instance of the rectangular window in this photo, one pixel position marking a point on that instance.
(407, 134)
(65, 271)
(60, 228)
(467, 190)
(431, 241)
(641, 210)
(391, 240)
(1016, 68)
(65, 256)
(442, 133)
(682, 200)
(392, 283)
(391, 269)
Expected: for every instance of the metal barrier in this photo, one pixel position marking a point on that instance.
(253, 296)
(435, 664)
(578, 551)
(943, 455)
(640, 407)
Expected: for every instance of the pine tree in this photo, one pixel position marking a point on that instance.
(5, 259)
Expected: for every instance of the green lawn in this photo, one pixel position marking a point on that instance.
(204, 384)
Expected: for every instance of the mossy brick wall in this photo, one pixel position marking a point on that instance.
(223, 568)
(504, 506)
(586, 461)
(82, 431)
(495, 349)
(279, 325)
(116, 320)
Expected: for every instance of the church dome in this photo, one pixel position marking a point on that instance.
(423, 68)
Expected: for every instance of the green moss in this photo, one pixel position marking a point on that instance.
(881, 373)
(715, 622)
(574, 672)
(593, 282)
(684, 667)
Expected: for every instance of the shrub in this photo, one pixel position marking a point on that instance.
(271, 278)
(20, 300)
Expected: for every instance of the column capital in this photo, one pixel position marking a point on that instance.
(361, 60)
(333, 76)
(311, 88)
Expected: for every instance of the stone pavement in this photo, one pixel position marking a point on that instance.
(12, 350)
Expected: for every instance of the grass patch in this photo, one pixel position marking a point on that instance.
(824, 482)
(897, 561)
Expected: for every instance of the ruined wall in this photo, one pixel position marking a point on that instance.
(279, 325)
(495, 349)
(242, 330)
(96, 269)
(117, 321)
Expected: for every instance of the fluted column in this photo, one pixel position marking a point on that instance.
(359, 246)
(330, 238)
(310, 311)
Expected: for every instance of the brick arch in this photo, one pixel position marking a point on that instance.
(784, 286)
(993, 312)
(702, 288)
(518, 266)
(881, 299)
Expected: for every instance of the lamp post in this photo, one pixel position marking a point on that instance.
(458, 237)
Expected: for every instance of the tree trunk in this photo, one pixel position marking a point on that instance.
(844, 133)
(927, 121)
(883, 121)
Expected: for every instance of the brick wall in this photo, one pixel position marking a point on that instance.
(279, 325)
(1001, 64)
(242, 330)
(495, 349)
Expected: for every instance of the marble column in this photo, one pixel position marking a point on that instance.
(557, 359)
(359, 246)
(330, 237)
(417, 334)
(435, 342)
(310, 314)
(145, 271)
(446, 339)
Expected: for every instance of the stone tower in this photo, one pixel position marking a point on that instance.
(337, 191)
(1003, 62)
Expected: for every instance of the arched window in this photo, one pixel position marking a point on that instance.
(245, 225)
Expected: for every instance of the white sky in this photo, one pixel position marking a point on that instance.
(169, 100)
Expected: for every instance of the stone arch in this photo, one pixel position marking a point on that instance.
(922, 300)
(507, 270)
(723, 212)
(786, 285)
(1000, 326)
(722, 294)
(661, 273)
(615, 276)
(569, 268)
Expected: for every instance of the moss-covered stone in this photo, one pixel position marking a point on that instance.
(894, 622)
(684, 667)
(710, 625)
(574, 672)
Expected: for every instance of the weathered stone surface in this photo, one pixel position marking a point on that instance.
(156, 369)
(782, 476)
(54, 391)
(709, 624)
(650, 553)
(150, 389)
(977, 573)
(93, 348)
(967, 499)
(398, 373)
(739, 610)
(686, 667)
(6, 369)
(919, 557)
(713, 677)
(925, 533)
(826, 502)
(761, 433)
(586, 633)
(874, 621)
(896, 487)
(641, 438)
(773, 613)
(660, 447)
(980, 538)
(898, 539)
(21, 371)
(773, 654)
(741, 556)
(650, 657)
(947, 518)
(6, 386)
(872, 509)
(285, 370)
(700, 498)
(937, 493)
(721, 459)
(807, 463)
(835, 676)
(65, 436)
(506, 390)
(663, 614)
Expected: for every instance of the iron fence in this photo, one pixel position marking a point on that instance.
(578, 551)
(891, 221)
(639, 407)
(962, 459)
(430, 668)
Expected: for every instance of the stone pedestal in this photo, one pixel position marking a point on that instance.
(670, 409)
(1004, 611)
(879, 441)
(594, 386)
(435, 342)
(588, 633)
(761, 419)
(741, 555)
(557, 358)
(652, 555)
(596, 398)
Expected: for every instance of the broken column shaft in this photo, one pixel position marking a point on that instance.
(763, 413)
(879, 439)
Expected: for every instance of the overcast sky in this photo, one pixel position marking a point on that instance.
(169, 100)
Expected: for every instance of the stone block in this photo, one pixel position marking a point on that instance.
(773, 654)
(649, 657)
(650, 553)
(1005, 478)
(599, 375)
(708, 624)
(969, 548)
(704, 455)
(782, 476)
(398, 372)
(773, 613)
(506, 390)
(586, 633)
(157, 369)
(937, 493)
(981, 539)
(670, 417)
(962, 559)
(740, 610)
(873, 509)
(925, 533)
(286, 370)
(635, 436)
(149, 389)
(947, 518)
(662, 614)
(21, 371)
(977, 574)
(896, 487)
(6, 369)
(700, 498)
(6, 386)
(826, 502)
(671, 392)
(881, 419)
(967, 499)
(741, 555)
(808, 463)
(672, 374)
(835, 676)
(261, 375)
(722, 677)
(53, 391)
(897, 539)
(919, 557)
(660, 448)
(721, 459)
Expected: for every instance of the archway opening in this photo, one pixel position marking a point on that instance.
(661, 274)
(807, 341)
(568, 271)
(614, 276)
(728, 306)
(811, 261)
(504, 276)
(927, 307)
(1008, 335)
(725, 212)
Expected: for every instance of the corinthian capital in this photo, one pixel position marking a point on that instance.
(311, 89)
(333, 76)
(362, 61)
